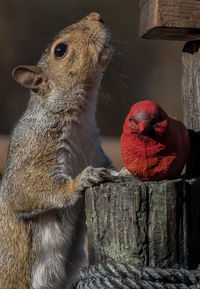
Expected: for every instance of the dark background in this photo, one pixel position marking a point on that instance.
(140, 69)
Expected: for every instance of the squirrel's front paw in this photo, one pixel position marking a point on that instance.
(92, 176)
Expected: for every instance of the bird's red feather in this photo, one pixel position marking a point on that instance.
(154, 145)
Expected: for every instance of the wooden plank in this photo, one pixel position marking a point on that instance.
(169, 19)
(144, 223)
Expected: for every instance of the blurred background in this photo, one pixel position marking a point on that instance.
(140, 69)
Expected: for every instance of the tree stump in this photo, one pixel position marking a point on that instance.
(154, 224)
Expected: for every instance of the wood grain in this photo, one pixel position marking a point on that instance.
(167, 19)
(144, 223)
(191, 85)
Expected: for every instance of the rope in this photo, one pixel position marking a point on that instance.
(109, 275)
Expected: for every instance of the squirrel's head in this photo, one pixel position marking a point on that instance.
(78, 55)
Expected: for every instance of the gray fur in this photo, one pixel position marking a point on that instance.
(58, 132)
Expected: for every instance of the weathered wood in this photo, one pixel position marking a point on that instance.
(167, 19)
(167, 225)
(144, 224)
(191, 102)
(191, 85)
(115, 219)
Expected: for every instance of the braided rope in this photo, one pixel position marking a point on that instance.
(120, 276)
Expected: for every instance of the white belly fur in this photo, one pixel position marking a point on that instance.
(55, 266)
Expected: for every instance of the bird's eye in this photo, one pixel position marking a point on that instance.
(130, 119)
(61, 49)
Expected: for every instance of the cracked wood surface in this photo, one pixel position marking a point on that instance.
(153, 224)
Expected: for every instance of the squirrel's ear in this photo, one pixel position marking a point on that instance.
(28, 76)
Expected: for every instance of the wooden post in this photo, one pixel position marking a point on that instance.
(153, 224)
(191, 84)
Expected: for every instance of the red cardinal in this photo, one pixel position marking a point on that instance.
(154, 145)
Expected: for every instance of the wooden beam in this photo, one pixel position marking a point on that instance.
(170, 19)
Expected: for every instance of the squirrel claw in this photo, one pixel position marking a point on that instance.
(92, 176)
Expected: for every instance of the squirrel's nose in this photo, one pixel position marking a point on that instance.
(95, 17)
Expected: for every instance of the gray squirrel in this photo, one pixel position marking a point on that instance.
(54, 155)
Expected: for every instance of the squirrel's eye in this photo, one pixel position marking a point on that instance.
(130, 119)
(60, 50)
